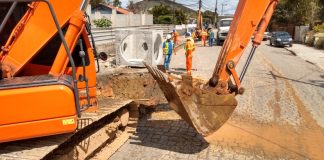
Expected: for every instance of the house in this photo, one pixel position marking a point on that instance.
(103, 9)
(119, 17)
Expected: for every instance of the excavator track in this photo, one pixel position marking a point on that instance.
(98, 130)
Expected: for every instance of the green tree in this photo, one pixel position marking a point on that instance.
(180, 17)
(281, 14)
(117, 3)
(94, 3)
(164, 19)
(164, 15)
(298, 12)
(132, 7)
(102, 23)
(158, 11)
(321, 10)
(209, 16)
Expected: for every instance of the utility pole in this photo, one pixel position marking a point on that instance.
(199, 20)
(216, 12)
(223, 4)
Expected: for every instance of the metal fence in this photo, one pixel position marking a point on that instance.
(104, 36)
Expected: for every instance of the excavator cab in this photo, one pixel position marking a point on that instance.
(46, 82)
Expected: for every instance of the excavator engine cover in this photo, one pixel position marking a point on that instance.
(36, 106)
(201, 108)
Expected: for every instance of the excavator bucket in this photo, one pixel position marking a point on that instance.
(202, 109)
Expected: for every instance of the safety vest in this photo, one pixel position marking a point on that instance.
(204, 34)
(167, 47)
(190, 46)
(175, 34)
(193, 35)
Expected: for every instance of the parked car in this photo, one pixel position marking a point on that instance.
(266, 35)
(281, 39)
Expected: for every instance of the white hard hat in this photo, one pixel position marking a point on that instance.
(168, 36)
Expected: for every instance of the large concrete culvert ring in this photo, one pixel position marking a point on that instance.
(131, 52)
(157, 47)
(135, 47)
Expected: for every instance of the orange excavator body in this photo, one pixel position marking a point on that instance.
(42, 91)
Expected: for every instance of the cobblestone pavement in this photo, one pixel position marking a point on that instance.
(281, 115)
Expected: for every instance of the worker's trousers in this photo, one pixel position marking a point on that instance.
(189, 61)
(175, 41)
(210, 41)
(203, 42)
(167, 60)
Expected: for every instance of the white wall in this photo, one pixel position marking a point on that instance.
(123, 20)
(300, 32)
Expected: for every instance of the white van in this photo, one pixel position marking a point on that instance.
(223, 27)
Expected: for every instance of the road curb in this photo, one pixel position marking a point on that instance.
(306, 60)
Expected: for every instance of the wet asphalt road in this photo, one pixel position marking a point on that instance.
(280, 115)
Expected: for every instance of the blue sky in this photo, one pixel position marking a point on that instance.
(229, 5)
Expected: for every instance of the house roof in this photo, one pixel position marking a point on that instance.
(118, 9)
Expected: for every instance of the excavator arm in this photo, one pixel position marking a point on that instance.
(208, 105)
(248, 16)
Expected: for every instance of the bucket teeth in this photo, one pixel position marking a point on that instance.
(202, 109)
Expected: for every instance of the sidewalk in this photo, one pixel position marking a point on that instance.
(310, 54)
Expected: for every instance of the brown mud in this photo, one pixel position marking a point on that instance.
(134, 84)
(274, 138)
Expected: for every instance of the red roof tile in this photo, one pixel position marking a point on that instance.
(120, 10)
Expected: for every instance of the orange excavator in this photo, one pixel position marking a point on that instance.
(47, 65)
(48, 69)
(208, 105)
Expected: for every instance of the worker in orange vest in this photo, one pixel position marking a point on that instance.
(193, 35)
(203, 37)
(175, 36)
(189, 48)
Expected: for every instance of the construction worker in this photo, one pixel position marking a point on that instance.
(189, 48)
(203, 37)
(167, 51)
(193, 35)
(211, 38)
(175, 36)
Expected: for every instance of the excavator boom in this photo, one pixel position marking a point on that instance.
(208, 105)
